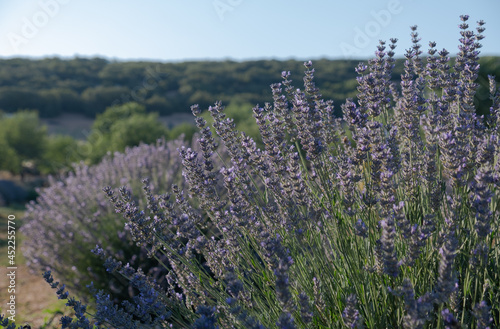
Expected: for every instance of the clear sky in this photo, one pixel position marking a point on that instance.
(178, 30)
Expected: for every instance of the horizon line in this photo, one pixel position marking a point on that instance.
(207, 59)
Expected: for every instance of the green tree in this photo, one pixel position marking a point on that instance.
(14, 98)
(59, 154)
(24, 135)
(122, 126)
(104, 121)
(9, 160)
(183, 128)
(145, 128)
(96, 99)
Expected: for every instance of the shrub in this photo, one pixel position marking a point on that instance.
(146, 129)
(72, 215)
(111, 131)
(185, 129)
(22, 138)
(9, 160)
(11, 193)
(59, 154)
(395, 226)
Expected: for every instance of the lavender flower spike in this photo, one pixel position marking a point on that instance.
(351, 316)
(482, 312)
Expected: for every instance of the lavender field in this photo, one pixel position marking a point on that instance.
(385, 217)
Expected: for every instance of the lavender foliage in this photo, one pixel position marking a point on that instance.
(385, 218)
(74, 212)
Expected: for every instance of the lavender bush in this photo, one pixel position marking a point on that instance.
(385, 218)
(72, 215)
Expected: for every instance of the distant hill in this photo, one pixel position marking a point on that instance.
(55, 86)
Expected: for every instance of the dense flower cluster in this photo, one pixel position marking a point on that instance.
(74, 211)
(384, 218)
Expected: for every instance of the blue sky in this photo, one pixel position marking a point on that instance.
(179, 30)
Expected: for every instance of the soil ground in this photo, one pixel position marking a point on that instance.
(36, 303)
(78, 126)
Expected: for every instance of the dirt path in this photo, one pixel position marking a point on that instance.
(33, 295)
(36, 303)
(79, 126)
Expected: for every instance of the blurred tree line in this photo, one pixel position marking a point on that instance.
(25, 145)
(126, 99)
(89, 85)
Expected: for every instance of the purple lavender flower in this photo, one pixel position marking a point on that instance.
(353, 115)
(305, 309)
(243, 239)
(386, 254)
(350, 315)
(346, 178)
(374, 87)
(75, 211)
(481, 199)
(495, 102)
(483, 315)
(81, 320)
(416, 310)
(360, 229)
(207, 319)
(447, 276)
(466, 63)
(285, 321)
(449, 319)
